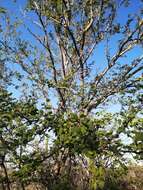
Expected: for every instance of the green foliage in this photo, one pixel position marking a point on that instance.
(81, 134)
(97, 176)
(2, 10)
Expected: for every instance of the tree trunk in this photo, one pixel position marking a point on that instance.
(6, 176)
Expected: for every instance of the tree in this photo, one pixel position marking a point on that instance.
(58, 61)
(17, 129)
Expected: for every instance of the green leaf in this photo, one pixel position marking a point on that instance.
(2, 10)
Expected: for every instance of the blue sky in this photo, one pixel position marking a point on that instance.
(16, 7)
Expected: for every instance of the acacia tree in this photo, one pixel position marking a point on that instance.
(58, 61)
